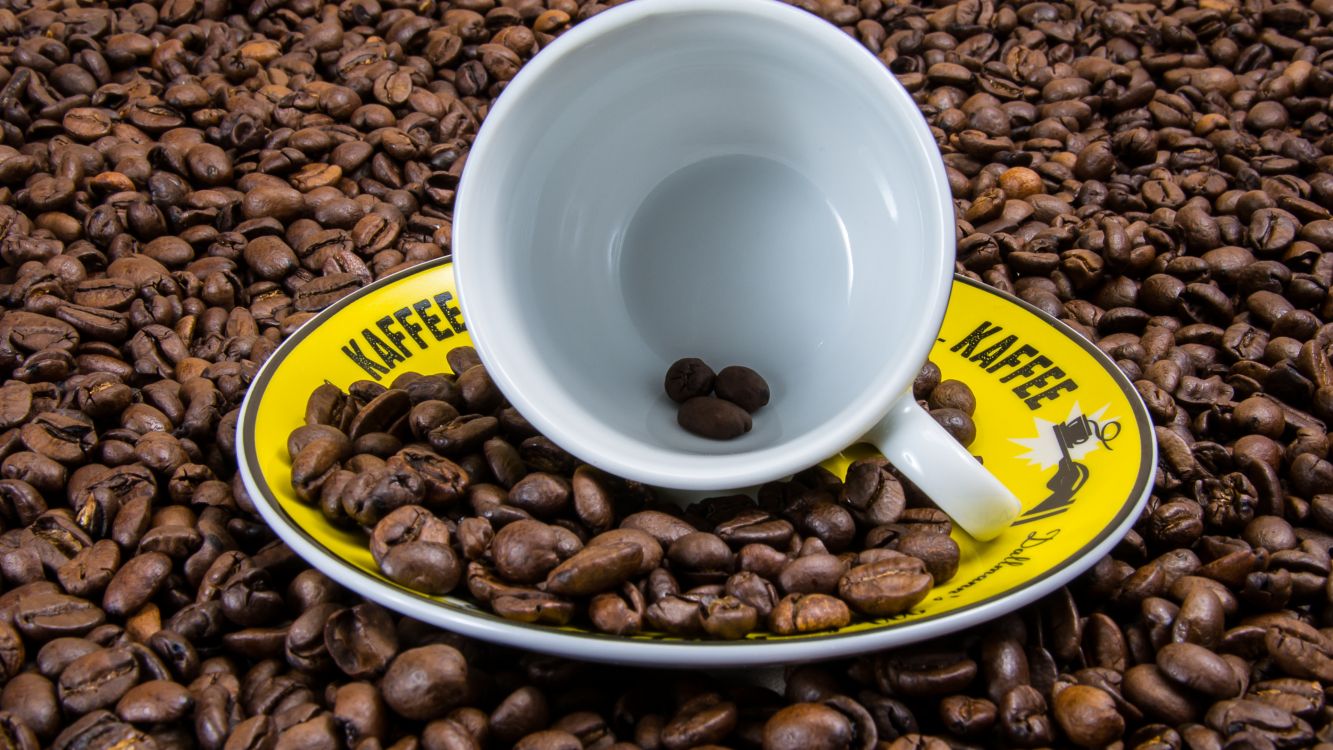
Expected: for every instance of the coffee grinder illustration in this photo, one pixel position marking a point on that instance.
(1070, 475)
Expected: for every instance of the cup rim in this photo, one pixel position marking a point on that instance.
(675, 469)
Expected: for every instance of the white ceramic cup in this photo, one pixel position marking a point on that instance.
(734, 180)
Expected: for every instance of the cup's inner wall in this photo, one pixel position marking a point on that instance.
(711, 187)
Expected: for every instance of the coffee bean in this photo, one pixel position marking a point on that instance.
(549, 739)
(595, 569)
(98, 679)
(926, 673)
(1300, 649)
(1088, 716)
(1269, 722)
(12, 652)
(136, 582)
(1023, 716)
(755, 527)
(423, 566)
(360, 640)
(49, 615)
(675, 615)
(953, 394)
(742, 386)
(663, 528)
(650, 551)
(1200, 620)
(703, 720)
(689, 378)
(1148, 688)
(526, 551)
(154, 702)
(729, 618)
(423, 682)
(714, 418)
(380, 413)
(968, 716)
(813, 574)
(31, 698)
(807, 613)
(887, 586)
(701, 557)
(619, 612)
(541, 494)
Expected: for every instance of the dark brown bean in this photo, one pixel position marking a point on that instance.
(714, 418)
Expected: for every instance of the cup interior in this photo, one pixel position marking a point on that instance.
(726, 179)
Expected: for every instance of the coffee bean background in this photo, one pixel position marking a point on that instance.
(183, 182)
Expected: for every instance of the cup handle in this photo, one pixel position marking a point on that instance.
(929, 456)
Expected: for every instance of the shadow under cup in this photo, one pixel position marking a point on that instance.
(736, 181)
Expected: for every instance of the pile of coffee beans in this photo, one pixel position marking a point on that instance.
(184, 182)
(740, 391)
(455, 490)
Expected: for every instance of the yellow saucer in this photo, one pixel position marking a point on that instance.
(1056, 420)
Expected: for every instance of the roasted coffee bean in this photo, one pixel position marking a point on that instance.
(91, 569)
(98, 679)
(411, 523)
(675, 615)
(703, 720)
(701, 557)
(663, 528)
(154, 702)
(650, 551)
(728, 618)
(46, 615)
(872, 490)
(12, 652)
(360, 640)
(595, 569)
(424, 682)
(925, 673)
(887, 586)
(689, 378)
(714, 418)
(619, 612)
(1088, 716)
(380, 413)
(541, 494)
(1199, 669)
(31, 698)
(966, 716)
(813, 574)
(938, 552)
(808, 725)
(1149, 690)
(136, 582)
(953, 394)
(741, 386)
(808, 613)
(427, 567)
(526, 551)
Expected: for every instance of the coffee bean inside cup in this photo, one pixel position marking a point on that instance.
(742, 386)
(740, 391)
(716, 418)
(689, 378)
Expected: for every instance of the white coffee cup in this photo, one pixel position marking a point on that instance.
(734, 180)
